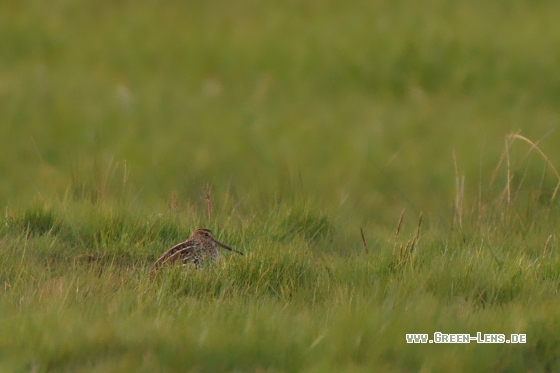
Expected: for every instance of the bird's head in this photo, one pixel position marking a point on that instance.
(206, 234)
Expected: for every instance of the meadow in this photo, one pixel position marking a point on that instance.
(387, 167)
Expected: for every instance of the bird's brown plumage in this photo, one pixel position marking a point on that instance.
(198, 247)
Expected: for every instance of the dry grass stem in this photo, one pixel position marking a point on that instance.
(547, 245)
(399, 224)
(364, 240)
(174, 203)
(206, 192)
(508, 179)
(515, 136)
(497, 169)
(459, 193)
(403, 253)
(417, 236)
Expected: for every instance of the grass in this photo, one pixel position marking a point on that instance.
(298, 301)
(302, 134)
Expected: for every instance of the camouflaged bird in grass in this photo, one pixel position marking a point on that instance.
(200, 246)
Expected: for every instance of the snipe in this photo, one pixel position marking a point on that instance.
(201, 245)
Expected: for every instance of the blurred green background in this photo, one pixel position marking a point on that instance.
(356, 103)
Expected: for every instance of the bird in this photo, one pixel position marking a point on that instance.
(201, 245)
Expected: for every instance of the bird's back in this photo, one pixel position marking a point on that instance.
(191, 250)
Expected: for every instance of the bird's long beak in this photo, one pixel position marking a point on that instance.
(228, 248)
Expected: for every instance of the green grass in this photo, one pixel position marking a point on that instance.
(77, 295)
(307, 121)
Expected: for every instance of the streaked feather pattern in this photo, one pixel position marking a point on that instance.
(200, 245)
